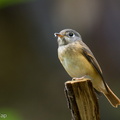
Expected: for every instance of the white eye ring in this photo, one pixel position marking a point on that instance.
(71, 34)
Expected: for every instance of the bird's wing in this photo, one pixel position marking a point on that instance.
(90, 57)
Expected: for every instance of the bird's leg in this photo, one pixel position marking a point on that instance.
(81, 78)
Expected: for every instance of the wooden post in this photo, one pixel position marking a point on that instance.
(82, 100)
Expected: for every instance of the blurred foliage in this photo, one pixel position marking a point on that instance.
(4, 3)
(9, 114)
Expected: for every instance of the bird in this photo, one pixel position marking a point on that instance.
(79, 61)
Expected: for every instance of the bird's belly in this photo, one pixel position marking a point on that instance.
(77, 66)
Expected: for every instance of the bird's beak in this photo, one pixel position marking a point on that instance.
(58, 35)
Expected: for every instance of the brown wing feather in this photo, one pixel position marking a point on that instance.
(90, 57)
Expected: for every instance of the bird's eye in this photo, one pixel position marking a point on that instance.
(71, 34)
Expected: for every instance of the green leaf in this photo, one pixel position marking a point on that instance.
(4, 3)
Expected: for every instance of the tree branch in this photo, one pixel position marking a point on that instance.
(82, 100)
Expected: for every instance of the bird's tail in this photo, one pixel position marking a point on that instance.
(112, 98)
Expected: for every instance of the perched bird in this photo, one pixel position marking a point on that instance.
(79, 61)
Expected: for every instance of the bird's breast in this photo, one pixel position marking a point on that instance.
(74, 62)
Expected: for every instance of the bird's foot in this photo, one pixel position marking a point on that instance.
(81, 78)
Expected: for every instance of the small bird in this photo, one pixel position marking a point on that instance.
(79, 61)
